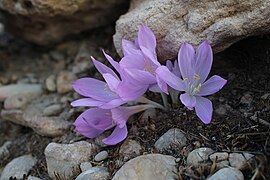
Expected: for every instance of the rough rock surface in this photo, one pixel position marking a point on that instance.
(18, 167)
(48, 21)
(227, 173)
(65, 159)
(94, 173)
(198, 156)
(173, 22)
(151, 166)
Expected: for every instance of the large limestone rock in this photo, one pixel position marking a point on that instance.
(48, 21)
(175, 21)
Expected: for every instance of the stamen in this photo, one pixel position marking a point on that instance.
(199, 87)
(185, 79)
(191, 86)
(197, 77)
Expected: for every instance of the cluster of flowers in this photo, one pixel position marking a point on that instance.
(137, 72)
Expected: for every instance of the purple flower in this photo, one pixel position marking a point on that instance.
(194, 69)
(108, 94)
(140, 62)
(92, 122)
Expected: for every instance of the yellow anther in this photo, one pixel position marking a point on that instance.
(199, 87)
(191, 86)
(185, 79)
(197, 77)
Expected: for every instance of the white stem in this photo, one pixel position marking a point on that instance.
(147, 101)
(165, 100)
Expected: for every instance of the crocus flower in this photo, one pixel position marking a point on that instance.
(106, 95)
(174, 68)
(194, 68)
(92, 122)
(140, 62)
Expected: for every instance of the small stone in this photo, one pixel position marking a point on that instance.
(246, 99)
(4, 149)
(52, 110)
(85, 166)
(221, 110)
(57, 55)
(173, 138)
(227, 173)
(151, 166)
(33, 178)
(51, 83)
(63, 82)
(100, 173)
(240, 160)
(222, 164)
(18, 167)
(198, 156)
(101, 156)
(19, 89)
(129, 149)
(219, 156)
(149, 113)
(65, 159)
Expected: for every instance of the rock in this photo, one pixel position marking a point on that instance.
(63, 82)
(219, 156)
(85, 166)
(151, 166)
(198, 156)
(227, 173)
(174, 22)
(129, 149)
(18, 167)
(240, 160)
(20, 90)
(45, 22)
(101, 156)
(33, 178)
(172, 139)
(53, 110)
(222, 164)
(100, 173)
(17, 101)
(4, 149)
(246, 99)
(51, 83)
(149, 113)
(65, 159)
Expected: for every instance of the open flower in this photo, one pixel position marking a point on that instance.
(107, 95)
(92, 122)
(140, 61)
(194, 69)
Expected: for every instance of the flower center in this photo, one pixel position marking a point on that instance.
(194, 87)
(149, 68)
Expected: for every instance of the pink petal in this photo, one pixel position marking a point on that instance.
(93, 88)
(131, 92)
(112, 104)
(212, 85)
(146, 38)
(151, 55)
(187, 100)
(103, 68)
(129, 47)
(93, 122)
(186, 61)
(204, 109)
(140, 76)
(112, 62)
(172, 80)
(111, 81)
(162, 85)
(118, 135)
(135, 61)
(203, 60)
(86, 102)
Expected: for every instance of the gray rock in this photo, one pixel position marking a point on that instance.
(219, 156)
(172, 139)
(100, 173)
(129, 149)
(227, 173)
(18, 167)
(33, 178)
(174, 22)
(53, 110)
(198, 156)
(222, 164)
(85, 166)
(63, 81)
(151, 166)
(240, 160)
(17, 101)
(246, 99)
(4, 149)
(65, 159)
(19, 89)
(101, 156)
(50, 83)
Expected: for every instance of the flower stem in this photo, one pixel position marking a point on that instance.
(165, 101)
(148, 101)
